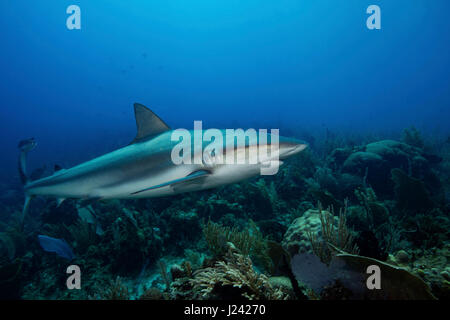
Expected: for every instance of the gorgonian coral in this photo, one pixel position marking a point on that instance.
(234, 277)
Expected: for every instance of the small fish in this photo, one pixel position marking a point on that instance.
(27, 144)
(59, 246)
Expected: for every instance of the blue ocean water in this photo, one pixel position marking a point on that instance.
(311, 68)
(296, 64)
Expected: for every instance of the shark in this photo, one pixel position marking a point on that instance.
(145, 167)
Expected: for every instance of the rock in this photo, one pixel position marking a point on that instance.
(338, 156)
(402, 257)
(369, 166)
(394, 151)
(281, 282)
(375, 161)
(284, 284)
(357, 162)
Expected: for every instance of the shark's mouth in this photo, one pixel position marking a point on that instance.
(294, 150)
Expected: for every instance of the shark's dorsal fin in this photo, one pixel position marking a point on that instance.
(148, 124)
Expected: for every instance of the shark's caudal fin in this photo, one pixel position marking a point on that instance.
(25, 146)
(148, 124)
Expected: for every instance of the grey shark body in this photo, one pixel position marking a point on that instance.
(145, 168)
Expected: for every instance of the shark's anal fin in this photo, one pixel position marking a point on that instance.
(148, 124)
(194, 177)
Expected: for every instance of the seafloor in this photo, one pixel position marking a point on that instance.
(309, 232)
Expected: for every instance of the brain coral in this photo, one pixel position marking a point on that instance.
(296, 238)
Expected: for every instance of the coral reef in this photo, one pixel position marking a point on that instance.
(334, 236)
(375, 161)
(249, 241)
(344, 278)
(387, 203)
(431, 265)
(297, 239)
(234, 278)
(115, 290)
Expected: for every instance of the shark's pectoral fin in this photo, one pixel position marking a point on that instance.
(193, 178)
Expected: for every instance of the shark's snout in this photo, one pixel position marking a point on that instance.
(291, 148)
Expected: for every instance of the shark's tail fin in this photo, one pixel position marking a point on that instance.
(25, 146)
